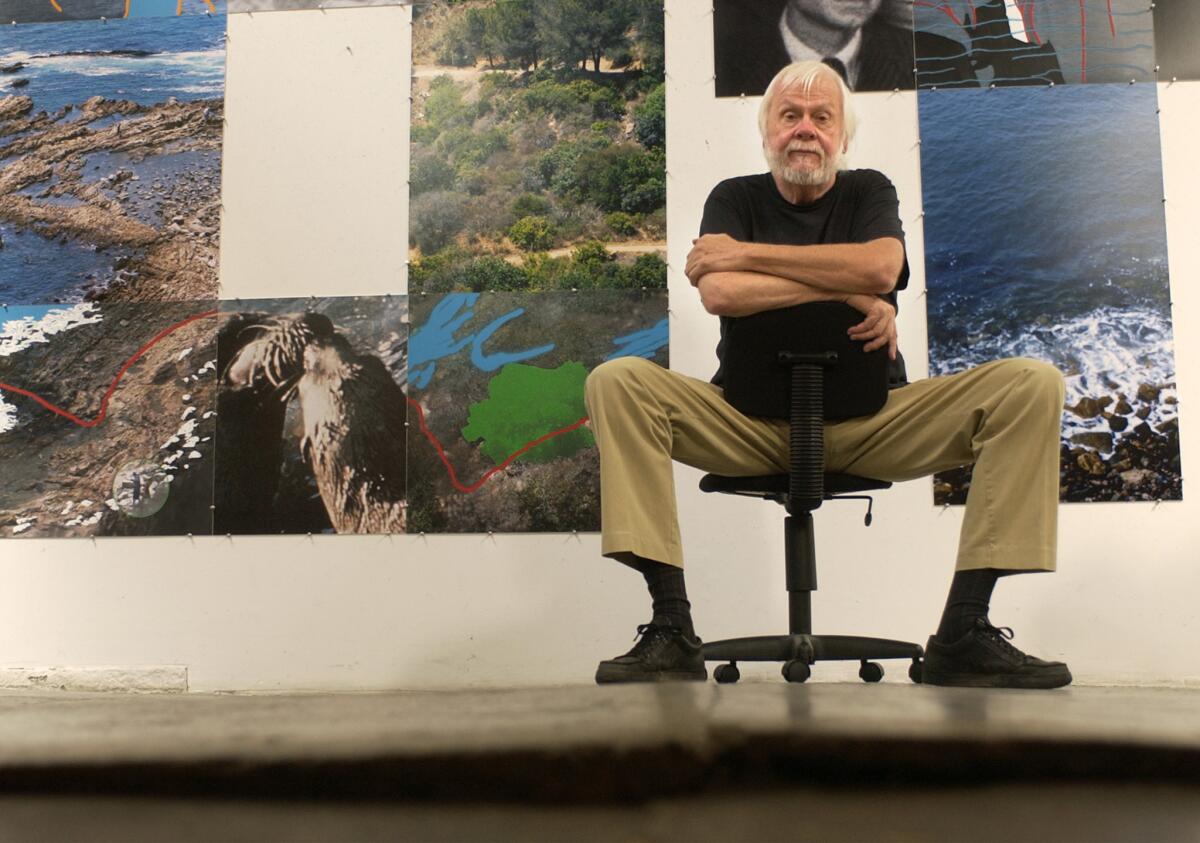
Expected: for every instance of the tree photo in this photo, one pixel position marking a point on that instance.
(538, 146)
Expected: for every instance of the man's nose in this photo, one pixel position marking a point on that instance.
(804, 128)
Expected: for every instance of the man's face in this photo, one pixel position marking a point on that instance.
(840, 14)
(805, 135)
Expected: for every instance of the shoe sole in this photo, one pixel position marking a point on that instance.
(616, 677)
(997, 680)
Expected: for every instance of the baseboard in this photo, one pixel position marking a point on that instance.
(139, 679)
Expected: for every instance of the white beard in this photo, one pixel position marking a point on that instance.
(829, 167)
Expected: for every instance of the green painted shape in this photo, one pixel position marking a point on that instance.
(525, 403)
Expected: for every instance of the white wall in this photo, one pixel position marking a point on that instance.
(314, 169)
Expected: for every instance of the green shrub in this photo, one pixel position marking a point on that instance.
(532, 234)
(649, 270)
(530, 205)
(492, 273)
(650, 119)
(430, 171)
(623, 177)
(622, 223)
(437, 217)
(444, 107)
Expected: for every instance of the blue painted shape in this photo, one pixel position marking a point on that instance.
(151, 8)
(491, 362)
(436, 339)
(645, 343)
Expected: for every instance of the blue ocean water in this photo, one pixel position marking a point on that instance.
(1045, 232)
(146, 60)
(141, 59)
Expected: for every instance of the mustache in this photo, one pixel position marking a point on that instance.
(801, 146)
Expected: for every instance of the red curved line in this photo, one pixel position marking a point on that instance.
(441, 451)
(941, 7)
(112, 388)
(1082, 42)
(420, 413)
(1027, 13)
(1112, 23)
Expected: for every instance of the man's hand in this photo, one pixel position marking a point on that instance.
(878, 329)
(711, 253)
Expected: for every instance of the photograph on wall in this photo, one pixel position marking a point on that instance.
(498, 439)
(1045, 237)
(870, 42)
(110, 157)
(538, 146)
(106, 419)
(236, 6)
(1176, 34)
(46, 11)
(311, 415)
(1033, 42)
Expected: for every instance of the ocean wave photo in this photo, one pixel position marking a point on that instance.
(1045, 237)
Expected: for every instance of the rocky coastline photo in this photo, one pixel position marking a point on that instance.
(110, 139)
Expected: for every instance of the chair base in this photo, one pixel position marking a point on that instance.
(809, 649)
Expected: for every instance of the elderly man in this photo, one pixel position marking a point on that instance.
(810, 231)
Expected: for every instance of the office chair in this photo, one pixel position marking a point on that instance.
(801, 491)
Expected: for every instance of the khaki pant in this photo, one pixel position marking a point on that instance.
(1003, 416)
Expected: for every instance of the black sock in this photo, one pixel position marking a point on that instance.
(667, 590)
(970, 594)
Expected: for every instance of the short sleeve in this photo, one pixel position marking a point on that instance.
(878, 215)
(878, 210)
(723, 214)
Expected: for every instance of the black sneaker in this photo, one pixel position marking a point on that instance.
(983, 658)
(662, 654)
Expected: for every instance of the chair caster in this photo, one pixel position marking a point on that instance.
(915, 671)
(870, 671)
(796, 671)
(726, 674)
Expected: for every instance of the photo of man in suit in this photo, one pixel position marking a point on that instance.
(869, 42)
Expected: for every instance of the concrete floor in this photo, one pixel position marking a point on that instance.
(680, 761)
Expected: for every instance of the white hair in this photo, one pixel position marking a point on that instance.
(805, 73)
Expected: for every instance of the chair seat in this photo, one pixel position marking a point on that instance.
(773, 485)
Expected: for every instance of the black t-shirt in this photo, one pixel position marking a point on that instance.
(860, 207)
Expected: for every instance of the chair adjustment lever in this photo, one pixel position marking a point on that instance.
(870, 502)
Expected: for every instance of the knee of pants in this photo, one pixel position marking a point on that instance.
(614, 374)
(1040, 382)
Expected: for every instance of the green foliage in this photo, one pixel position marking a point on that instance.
(491, 273)
(650, 25)
(622, 177)
(530, 205)
(650, 119)
(436, 272)
(444, 107)
(436, 218)
(456, 47)
(430, 171)
(472, 147)
(592, 255)
(621, 223)
(532, 234)
(512, 30)
(574, 32)
(649, 271)
(525, 403)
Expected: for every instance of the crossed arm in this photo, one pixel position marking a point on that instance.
(738, 279)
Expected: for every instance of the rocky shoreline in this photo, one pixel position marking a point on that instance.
(59, 477)
(173, 259)
(1125, 458)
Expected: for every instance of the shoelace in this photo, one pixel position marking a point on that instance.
(649, 632)
(1002, 635)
